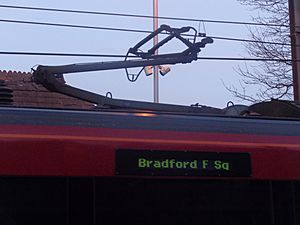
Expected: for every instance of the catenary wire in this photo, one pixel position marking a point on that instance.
(123, 56)
(73, 26)
(142, 16)
(64, 54)
(130, 30)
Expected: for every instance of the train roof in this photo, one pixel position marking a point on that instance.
(19, 89)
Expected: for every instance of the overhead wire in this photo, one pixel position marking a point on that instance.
(64, 54)
(73, 26)
(142, 16)
(138, 31)
(137, 16)
(130, 30)
(247, 59)
(123, 56)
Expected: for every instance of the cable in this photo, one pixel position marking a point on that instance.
(247, 59)
(72, 26)
(141, 16)
(64, 54)
(123, 56)
(130, 30)
(248, 40)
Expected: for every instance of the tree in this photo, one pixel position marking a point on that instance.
(273, 79)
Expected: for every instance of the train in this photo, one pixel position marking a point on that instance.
(117, 166)
(136, 163)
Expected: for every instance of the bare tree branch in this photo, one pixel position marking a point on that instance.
(272, 79)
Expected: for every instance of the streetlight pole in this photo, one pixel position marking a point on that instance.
(155, 41)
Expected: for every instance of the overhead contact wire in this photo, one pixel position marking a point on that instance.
(129, 30)
(142, 16)
(123, 56)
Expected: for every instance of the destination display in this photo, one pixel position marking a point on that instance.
(182, 163)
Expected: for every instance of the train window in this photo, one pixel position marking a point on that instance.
(178, 202)
(32, 200)
(124, 201)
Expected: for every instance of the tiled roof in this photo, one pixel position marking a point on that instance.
(27, 93)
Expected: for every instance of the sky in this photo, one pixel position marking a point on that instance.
(202, 81)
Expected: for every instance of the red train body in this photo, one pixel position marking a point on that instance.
(82, 143)
(73, 167)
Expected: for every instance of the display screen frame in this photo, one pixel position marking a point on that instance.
(138, 162)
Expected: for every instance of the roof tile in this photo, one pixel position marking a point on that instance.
(29, 94)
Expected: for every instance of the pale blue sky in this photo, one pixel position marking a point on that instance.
(187, 84)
